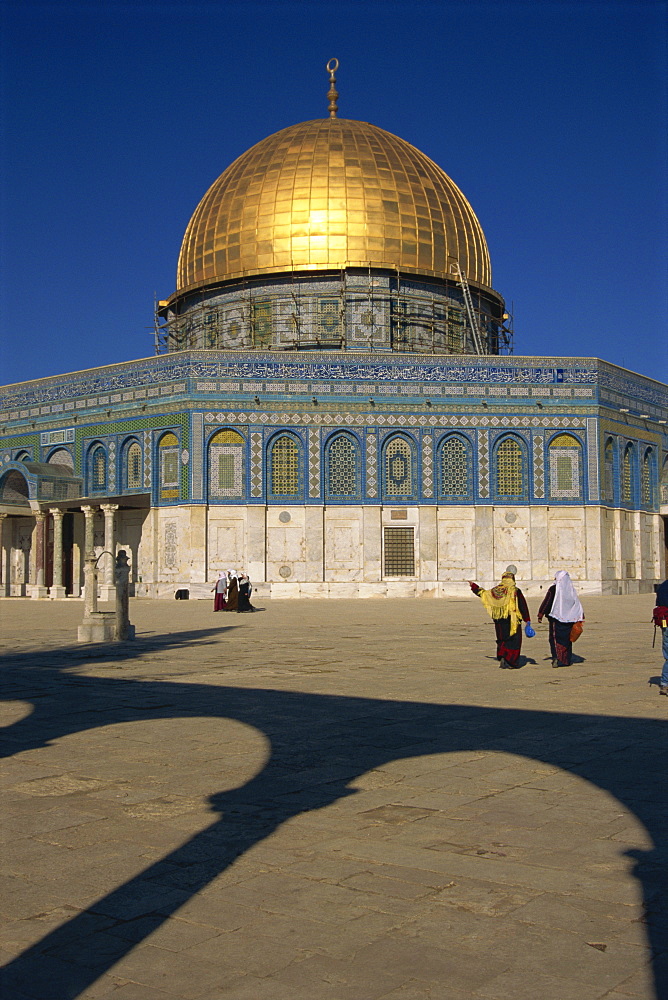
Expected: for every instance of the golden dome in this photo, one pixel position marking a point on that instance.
(329, 194)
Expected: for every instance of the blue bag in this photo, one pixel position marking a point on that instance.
(528, 631)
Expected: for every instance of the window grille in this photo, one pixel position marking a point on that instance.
(169, 467)
(226, 464)
(609, 480)
(285, 467)
(133, 459)
(262, 332)
(99, 469)
(509, 471)
(330, 322)
(627, 484)
(454, 468)
(398, 471)
(565, 464)
(399, 552)
(646, 479)
(342, 467)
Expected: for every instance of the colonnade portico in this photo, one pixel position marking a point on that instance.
(23, 552)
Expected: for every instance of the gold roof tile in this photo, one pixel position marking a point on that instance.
(331, 192)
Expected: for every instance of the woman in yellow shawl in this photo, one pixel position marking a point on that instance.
(507, 607)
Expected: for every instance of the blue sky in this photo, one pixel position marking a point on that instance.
(550, 116)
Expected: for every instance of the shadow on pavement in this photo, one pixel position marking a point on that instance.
(332, 740)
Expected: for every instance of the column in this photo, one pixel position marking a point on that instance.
(39, 590)
(4, 569)
(89, 536)
(89, 545)
(108, 588)
(57, 590)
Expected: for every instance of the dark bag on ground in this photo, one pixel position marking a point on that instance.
(182, 595)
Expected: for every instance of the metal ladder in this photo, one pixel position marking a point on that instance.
(468, 302)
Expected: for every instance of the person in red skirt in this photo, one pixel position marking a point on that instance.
(507, 607)
(218, 590)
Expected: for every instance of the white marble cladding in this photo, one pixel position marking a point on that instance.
(300, 551)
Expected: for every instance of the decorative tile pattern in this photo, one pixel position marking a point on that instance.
(483, 464)
(256, 464)
(592, 458)
(148, 460)
(538, 467)
(314, 462)
(197, 450)
(112, 466)
(371, 464)
(428, 465)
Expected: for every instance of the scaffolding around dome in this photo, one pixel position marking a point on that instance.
(355, 309)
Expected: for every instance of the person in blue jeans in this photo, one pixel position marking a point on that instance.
(662, 601)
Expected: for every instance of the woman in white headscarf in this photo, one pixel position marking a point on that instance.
(563, 609)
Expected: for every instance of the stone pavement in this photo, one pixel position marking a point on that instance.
(331, 799)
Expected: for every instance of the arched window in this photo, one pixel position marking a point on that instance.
(168, 448)
(285, 467)
(342, 467)
(226, 464)
(133, 466)
(455, 469)
(565, 467)
(398, 468)
(510, 477)
(609, 472)
(627, 475)
(646, 479)
(98, 468)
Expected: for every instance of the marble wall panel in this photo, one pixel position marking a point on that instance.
(286, 544)
(344, 552)
(227, 542)
(512, 541)
(567, 543)
(456, 527)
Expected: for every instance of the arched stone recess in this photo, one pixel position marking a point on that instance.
(566, 469)
(168, 467)
(343, 467)
(454, 468)
(510, 469)
(14, 489)
(226, 466)
(285, 468)
(132, 465)
(400, 469)
(61, 457)
(97, 468)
